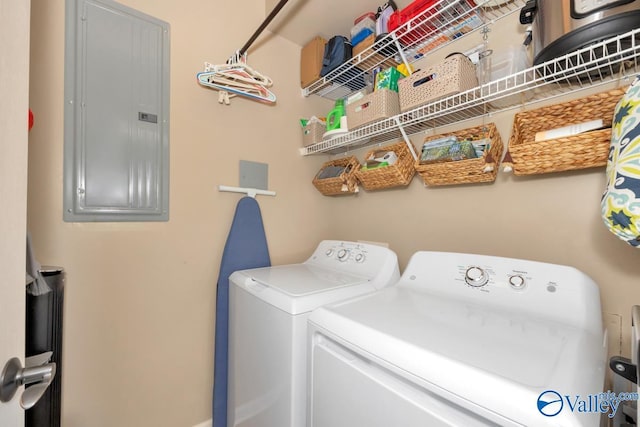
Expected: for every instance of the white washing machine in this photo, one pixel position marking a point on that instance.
(268, 313)
(462, 340)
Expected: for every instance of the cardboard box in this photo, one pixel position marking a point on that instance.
(373, 60)
(364, 44)
(311, 61)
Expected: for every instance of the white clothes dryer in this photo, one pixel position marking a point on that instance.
(268, 312)
(462, 340)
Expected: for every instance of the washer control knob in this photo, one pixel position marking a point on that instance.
(329, 252)
(343, 255)
(476, 277)
(517, 281)
(359, 257)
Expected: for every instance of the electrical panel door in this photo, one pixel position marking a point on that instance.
(116, 114)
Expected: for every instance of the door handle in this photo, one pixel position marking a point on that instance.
(38, 371)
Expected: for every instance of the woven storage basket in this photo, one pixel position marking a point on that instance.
(585, 150)
(312, 133)
(469, 171)
(346, 183)
(381, 104)
(398, 174)
(455, 74)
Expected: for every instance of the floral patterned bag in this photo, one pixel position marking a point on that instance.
(621, 199)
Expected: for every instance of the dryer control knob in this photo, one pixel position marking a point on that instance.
(329, 252)
(517, 281)
(359, 257)
(476, 277)
(343, 255)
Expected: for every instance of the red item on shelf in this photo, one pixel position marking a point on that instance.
(428, 18)
(400, 17)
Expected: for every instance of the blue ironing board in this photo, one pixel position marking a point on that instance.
(246, 247)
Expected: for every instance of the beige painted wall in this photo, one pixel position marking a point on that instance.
(140, 297)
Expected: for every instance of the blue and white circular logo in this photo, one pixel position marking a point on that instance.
(550, 403)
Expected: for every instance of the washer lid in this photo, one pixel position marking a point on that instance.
(299, 288)
(454, 344)
(300, 279)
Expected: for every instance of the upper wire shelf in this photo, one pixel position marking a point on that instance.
(600, 63)
(432, 29)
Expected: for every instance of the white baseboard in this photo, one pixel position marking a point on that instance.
(208, 423)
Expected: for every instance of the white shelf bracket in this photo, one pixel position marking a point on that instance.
(251, 192)
(405, 137)
(401, 53)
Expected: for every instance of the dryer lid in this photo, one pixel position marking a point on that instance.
(453, 344)
(300, 288)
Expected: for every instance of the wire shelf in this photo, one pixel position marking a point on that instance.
(604, 62)
(432, 29)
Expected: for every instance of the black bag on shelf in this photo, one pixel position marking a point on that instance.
(337, 51)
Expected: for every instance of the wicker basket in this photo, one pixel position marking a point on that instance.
(469, 171)
(398, 174)
(455, 74)
(312, 133)
(378, 105)
(585, 150)
(345, 183)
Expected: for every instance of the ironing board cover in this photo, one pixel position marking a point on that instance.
(246, 247)
(621, 199)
